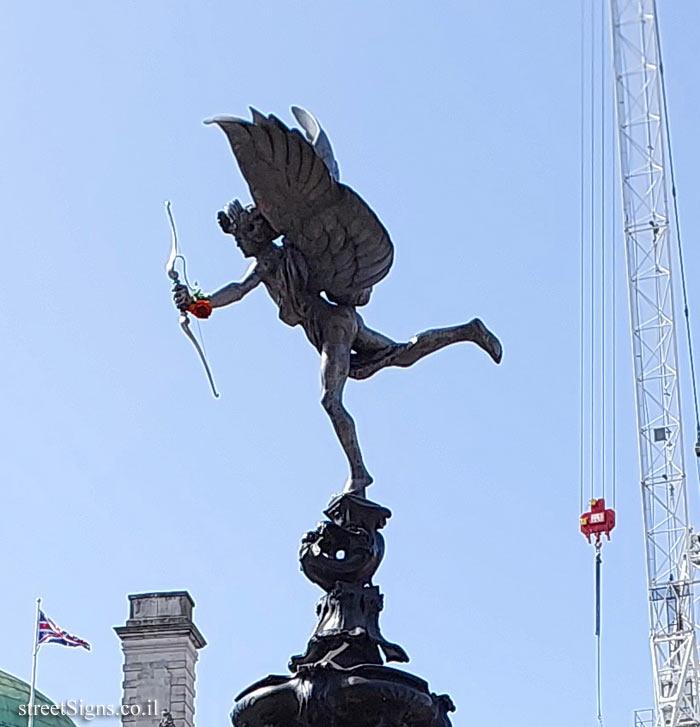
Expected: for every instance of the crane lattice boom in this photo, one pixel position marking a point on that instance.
(642, 126)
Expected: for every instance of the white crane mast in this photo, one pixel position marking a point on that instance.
(642, 125)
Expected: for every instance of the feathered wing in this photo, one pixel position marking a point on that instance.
(318, 139)
(346, 247)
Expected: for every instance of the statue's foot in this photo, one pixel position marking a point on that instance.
(356, 485)
(486, 340)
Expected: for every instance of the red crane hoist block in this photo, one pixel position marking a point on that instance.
(597, 521)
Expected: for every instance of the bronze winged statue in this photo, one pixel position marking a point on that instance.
(333, 250)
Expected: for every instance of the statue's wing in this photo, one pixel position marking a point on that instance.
(318, 138)
(345, 245)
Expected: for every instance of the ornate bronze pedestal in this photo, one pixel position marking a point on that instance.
(340, 680)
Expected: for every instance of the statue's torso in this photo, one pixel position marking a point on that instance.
(284, 275)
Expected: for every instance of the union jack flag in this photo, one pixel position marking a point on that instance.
(49, 633)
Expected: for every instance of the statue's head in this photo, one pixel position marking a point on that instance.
(253, 232)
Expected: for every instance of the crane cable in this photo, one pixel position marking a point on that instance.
(597, 289)
(582, 268)
(603, 271)
(686, 311)
(603, 402)
(599, 700)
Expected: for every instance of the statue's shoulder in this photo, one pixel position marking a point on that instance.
(268, 263)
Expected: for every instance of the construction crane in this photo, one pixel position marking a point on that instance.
(652, 262)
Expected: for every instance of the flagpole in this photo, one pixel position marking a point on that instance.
(35, 652)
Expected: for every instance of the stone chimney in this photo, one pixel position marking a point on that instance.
(160, 643)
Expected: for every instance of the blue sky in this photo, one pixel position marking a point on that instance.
(459, 123)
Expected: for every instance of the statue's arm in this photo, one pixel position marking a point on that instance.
(233, 292)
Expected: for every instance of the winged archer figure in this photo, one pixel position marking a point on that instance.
(333, 250)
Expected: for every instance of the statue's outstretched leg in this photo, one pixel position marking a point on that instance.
(375, 351)
(335, 366)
